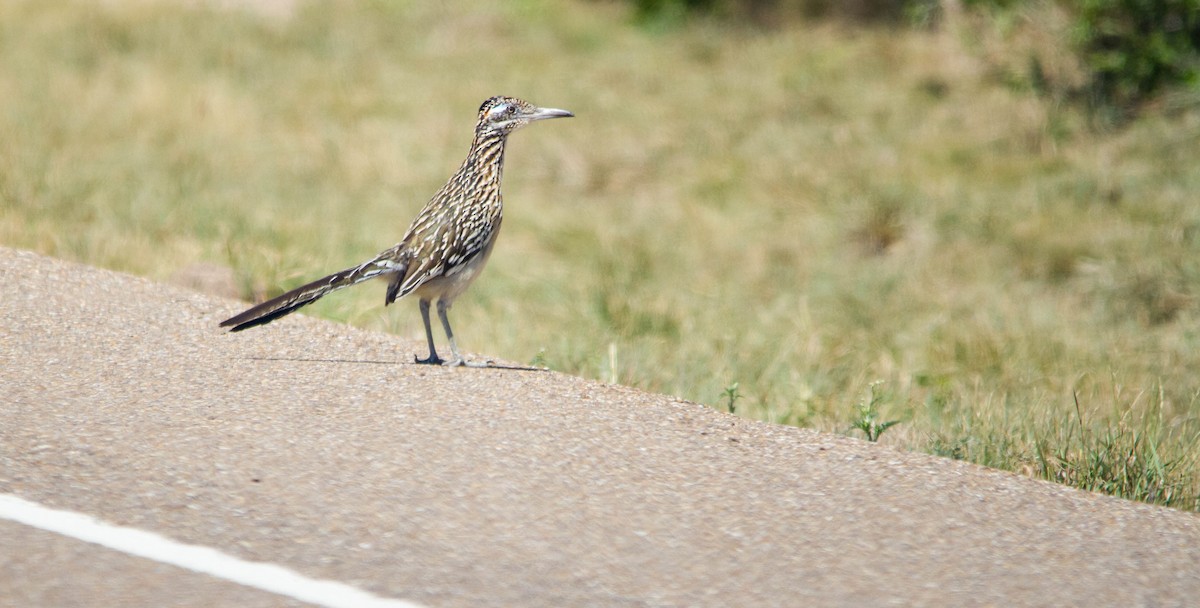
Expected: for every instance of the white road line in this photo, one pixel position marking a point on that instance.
(206, 560)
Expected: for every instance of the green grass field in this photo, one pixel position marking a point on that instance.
(807, 212)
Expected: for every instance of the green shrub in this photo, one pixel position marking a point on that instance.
(1130, 49)
(1134, 48)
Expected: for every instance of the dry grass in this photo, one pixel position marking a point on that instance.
(802, 212)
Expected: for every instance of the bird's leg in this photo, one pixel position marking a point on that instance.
(458, 360)
(433, 358)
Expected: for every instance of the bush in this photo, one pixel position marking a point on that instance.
(1130, 49)
(1134, 48)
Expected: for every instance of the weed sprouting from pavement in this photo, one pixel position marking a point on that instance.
(539, 360)
(867, 417)
(731, 395)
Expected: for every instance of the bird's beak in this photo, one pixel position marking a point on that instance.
(544, 113)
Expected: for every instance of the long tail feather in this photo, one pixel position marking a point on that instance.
(302, 296)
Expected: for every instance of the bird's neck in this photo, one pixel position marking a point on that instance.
(486, 158)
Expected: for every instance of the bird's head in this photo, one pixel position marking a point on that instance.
(504, 115)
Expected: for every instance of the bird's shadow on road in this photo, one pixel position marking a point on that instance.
(516, 368)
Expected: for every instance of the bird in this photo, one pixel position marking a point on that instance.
(446, 246)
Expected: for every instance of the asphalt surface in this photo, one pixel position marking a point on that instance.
(321, 448)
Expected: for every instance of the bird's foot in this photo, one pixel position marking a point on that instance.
(430, 360)
(460, 362)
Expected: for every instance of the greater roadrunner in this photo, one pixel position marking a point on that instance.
(446, 247)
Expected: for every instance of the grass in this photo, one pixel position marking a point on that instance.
(795, 213)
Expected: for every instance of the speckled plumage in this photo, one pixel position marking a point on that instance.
(447, 244)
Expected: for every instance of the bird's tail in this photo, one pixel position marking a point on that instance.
(302, 296)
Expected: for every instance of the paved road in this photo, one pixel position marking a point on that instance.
(318, 447)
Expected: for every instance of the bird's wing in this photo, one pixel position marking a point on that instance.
(440, 245)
